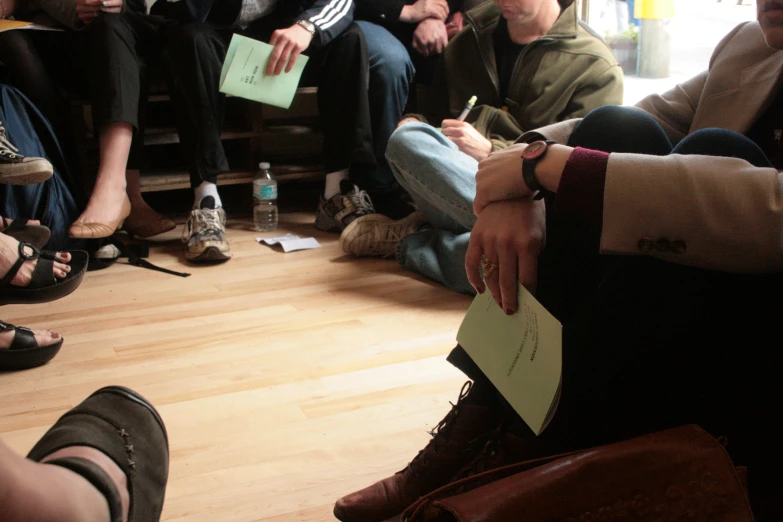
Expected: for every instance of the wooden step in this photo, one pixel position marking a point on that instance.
(168, 135)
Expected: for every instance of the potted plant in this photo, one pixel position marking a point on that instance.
(624, 46)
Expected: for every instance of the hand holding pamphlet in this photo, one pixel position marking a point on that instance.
(243, 73)
(521, 354)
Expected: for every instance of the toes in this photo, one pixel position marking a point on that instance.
(61, 271)
(63, 257)
(46, 337)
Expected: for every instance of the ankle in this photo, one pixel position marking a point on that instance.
(108, 181)
(108, 466)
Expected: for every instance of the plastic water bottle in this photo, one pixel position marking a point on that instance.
(264, 199)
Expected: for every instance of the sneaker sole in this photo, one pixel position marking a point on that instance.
(34, 174)
(210, 254)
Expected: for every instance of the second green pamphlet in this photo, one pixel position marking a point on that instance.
(243, 73)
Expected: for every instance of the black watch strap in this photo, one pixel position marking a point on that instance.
(529, 173)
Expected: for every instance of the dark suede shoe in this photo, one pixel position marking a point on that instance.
(124, 426)
(455, 441)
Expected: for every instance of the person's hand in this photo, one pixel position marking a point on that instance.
(499, 177)
(422, 9)
(409, 119)
(288, 45)
(89, 10)
(510, 235)
(430, 37)
(467, 138)
(454, 24)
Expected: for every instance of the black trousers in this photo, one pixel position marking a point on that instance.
(191, 57)
(650, 345)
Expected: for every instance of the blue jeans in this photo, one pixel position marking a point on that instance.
(442, 182)
(391, 74)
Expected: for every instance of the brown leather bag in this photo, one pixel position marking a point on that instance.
(682, 474)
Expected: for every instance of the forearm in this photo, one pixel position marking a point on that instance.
(703, 211)
(330, 18)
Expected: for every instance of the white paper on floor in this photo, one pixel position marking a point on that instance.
(291, 242)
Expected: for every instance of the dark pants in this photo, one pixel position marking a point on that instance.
(123, 49)
(192, 57)
(650, 345)
(340, 70)
(40, 64)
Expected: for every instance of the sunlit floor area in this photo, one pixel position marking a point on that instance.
(285, 380)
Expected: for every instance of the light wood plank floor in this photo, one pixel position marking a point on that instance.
(285, 380)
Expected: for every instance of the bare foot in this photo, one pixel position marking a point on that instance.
(9, 253)
(42, 337)
(106, 201)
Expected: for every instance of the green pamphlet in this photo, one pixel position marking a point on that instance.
(521, 354)
(243, 73)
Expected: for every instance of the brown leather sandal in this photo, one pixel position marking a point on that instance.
(125, 427)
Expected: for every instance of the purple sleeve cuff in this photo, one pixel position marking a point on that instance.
(581, 189)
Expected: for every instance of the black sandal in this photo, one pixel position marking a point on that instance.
(124, 426)
(43, 287)
(24, 351)
(36, 235)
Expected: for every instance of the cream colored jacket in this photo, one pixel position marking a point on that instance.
(728, 213)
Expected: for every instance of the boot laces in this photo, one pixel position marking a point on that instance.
(441, 431)
(493, 447)
(6, 147)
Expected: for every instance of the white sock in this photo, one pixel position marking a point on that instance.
(206, 189)
(333, 180)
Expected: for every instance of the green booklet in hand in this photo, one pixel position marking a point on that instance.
(521, 354)
(244, 69)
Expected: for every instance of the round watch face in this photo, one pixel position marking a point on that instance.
(534, 150)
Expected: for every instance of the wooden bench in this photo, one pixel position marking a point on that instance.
(290, 140)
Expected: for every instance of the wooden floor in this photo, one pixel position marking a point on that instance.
(285, 380)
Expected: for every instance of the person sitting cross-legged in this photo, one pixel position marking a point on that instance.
(530, 63)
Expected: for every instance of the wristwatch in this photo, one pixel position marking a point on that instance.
(309, 26)
(534, 153)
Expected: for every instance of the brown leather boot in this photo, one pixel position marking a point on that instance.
(503, 447)
(455, 440)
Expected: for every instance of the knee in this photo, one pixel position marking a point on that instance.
(107, 29)
(394, 65)
(189, 40)
(619, 119)
(725, 143)
(621, 129)
(406, 142)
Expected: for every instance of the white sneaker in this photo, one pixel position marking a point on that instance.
(377, 235)
(16, 169)
(205, 233)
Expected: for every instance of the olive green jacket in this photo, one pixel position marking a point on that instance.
(564, 74)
